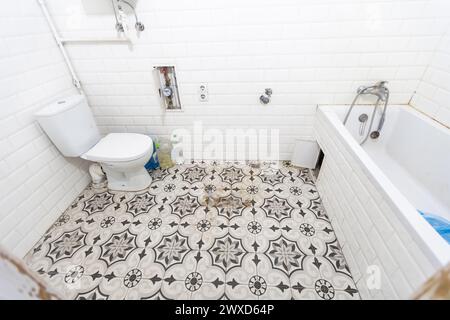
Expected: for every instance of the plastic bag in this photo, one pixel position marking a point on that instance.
(153, 163)
(441, 225)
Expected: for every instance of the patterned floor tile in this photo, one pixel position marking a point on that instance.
(143, 289)
(234, 291)
(202, 230)
(209, 291)
(274, 293)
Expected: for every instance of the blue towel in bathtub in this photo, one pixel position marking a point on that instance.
(441, 225)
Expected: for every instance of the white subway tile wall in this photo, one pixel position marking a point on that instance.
(433, 93)
(36, 183)
(308, 51)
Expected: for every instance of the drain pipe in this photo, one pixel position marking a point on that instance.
(75, 80)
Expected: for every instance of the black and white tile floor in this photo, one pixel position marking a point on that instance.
(200, 231)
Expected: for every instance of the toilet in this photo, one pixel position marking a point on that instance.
(70, 125)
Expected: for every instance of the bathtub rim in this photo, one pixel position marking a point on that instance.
(435, 247)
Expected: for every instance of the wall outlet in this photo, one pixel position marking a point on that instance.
(203, 92)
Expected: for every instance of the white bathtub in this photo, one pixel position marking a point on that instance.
(372, 194)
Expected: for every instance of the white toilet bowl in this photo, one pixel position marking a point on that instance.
(69, 123)
(123, 157)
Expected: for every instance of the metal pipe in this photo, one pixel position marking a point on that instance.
(132, 8)
(122, 16)
(115, 12)
(75, 80)
(98, 40)
(61, 41)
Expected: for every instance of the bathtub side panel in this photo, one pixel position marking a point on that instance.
(374, 241)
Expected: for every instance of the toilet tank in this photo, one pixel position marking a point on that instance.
(70, 125)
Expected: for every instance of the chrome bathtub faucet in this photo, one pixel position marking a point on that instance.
(379, 90)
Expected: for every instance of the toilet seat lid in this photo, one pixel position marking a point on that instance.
(119, 147)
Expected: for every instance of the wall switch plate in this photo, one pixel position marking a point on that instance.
(203, 92)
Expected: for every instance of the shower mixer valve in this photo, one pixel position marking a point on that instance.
(265, 98)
